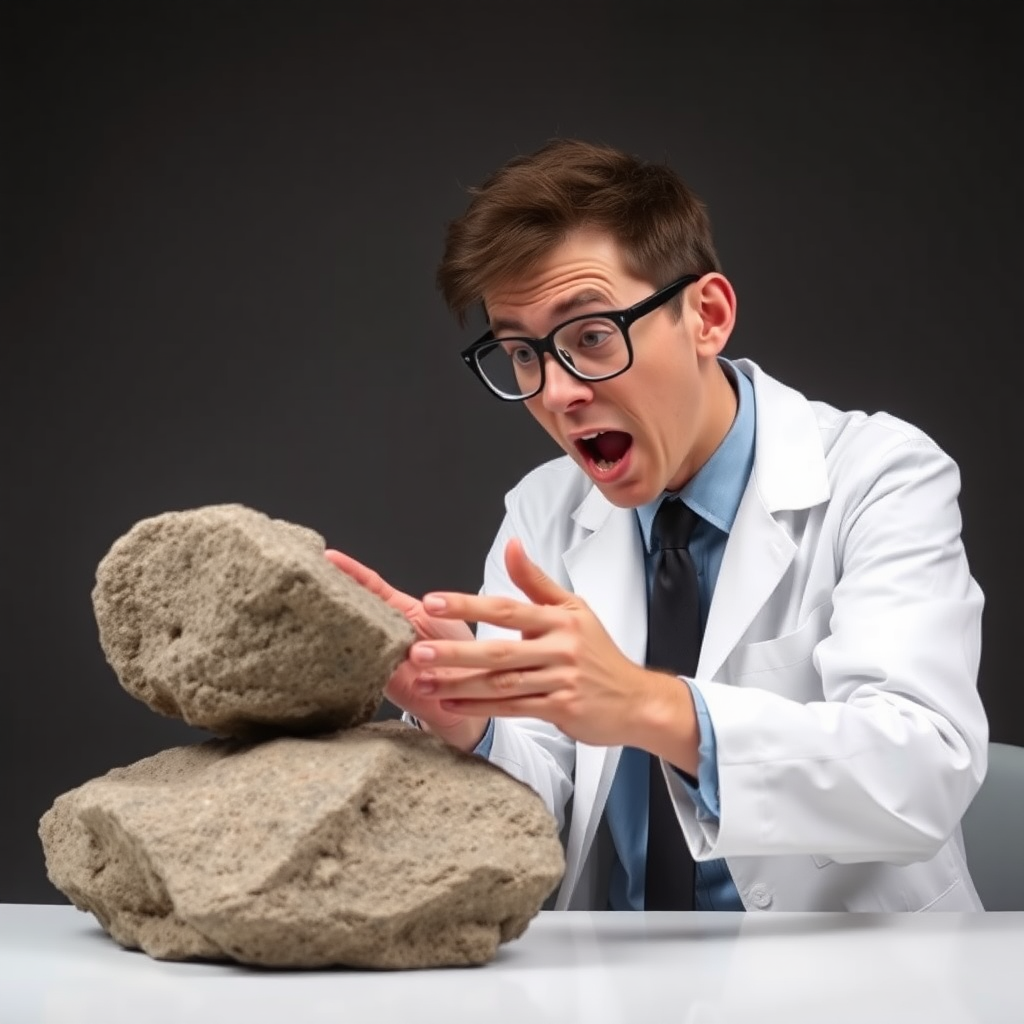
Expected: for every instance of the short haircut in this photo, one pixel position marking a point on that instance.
(528, 207)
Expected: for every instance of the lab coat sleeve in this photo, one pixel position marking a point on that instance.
(531, 750)
(883, 764)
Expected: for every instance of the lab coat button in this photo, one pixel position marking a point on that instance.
(760, 896)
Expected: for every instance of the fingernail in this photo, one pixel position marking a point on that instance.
(422, 652)
(426, 687)
(433, 603)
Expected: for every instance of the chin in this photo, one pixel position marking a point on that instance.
(626, 496)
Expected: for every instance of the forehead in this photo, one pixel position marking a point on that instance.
(584, 270)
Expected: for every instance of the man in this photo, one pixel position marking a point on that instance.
(820, 751)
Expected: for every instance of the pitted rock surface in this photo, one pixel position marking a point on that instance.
(237, 623)
(378, 846)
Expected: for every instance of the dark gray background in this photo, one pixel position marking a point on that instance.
(220, 226)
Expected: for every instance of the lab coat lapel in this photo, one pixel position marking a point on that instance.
(788, 474)
(606, 569)
(756, 556)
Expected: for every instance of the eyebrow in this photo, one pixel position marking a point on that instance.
(558, 311)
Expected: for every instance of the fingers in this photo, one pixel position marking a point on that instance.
(530, 578)
(405, 690)
(498, 611)
(493, 655)
(535, 706)
(512, 684)
(371, 580)
(360, 573)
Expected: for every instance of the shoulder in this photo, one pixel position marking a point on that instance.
(879, 444)
(845, 435)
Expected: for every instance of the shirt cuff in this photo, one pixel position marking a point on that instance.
(483, 748)
(705, 794)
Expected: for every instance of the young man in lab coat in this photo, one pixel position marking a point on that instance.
(825, 749)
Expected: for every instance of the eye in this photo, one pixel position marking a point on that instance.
(588, 335)
(521, 355)
(591, 337)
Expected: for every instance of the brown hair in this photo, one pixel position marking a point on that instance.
(526, 208)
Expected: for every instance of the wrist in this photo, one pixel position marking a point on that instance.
(665, 723)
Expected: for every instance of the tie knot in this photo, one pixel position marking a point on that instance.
(673, 524)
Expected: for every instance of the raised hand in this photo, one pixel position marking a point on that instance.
(565, 670)
(456, 727)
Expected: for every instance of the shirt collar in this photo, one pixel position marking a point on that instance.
(715, 491)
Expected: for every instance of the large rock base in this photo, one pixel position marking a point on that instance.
(378, 846)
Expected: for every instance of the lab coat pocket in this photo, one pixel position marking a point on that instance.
(783, 664)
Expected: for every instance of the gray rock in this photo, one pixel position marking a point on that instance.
(237, 623)
(378, 846)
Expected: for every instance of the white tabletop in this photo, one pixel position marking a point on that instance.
(58, 967)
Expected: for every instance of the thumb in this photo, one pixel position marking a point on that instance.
(530, 578)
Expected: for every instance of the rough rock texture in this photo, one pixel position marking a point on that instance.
(378, 846)
(236, 623)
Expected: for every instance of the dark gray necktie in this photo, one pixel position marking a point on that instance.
(673, 644)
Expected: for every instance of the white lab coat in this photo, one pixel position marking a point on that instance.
(839, 666)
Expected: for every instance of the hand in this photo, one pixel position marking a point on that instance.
(457, 728)
(565, 670)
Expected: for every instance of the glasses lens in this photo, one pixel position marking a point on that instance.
(595, 348)
(511, 367)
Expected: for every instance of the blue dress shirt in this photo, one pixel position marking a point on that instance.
(714, 493)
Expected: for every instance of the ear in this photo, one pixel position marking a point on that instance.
(711, 304)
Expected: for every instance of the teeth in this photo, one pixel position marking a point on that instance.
(590, 437)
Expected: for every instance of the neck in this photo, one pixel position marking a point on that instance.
(721, 403)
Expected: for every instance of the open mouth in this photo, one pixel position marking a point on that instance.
(605, 449)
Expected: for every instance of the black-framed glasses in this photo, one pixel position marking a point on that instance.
(591, 347)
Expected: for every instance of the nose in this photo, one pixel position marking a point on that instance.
(562, 391)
